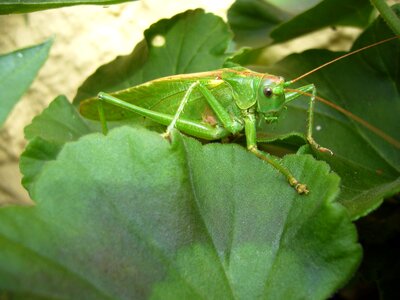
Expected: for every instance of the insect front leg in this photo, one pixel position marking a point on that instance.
(250, 131)
(311, 91)
(310, 123)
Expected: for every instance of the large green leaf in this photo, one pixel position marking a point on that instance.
(190, 42)
(366, 85)
(131, 216)
(17, 71)
(24, 6)
(255, 20)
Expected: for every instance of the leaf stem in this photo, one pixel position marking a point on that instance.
(388, 15)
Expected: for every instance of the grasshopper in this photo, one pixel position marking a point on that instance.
(217, 104)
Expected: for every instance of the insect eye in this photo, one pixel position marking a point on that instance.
(267, 92)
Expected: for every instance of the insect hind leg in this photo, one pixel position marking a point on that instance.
(189, 127)
(229, 124)
(185, 99)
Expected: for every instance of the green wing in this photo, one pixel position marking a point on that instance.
(164, 95)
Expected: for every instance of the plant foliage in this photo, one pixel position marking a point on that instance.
(130, 215)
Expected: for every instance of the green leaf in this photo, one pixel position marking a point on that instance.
(131, 216)
(24, 6)
(17, 71)
(56, 125)
(190, 42)
(368, 86)
(34, 158)
(326, 13)
(255, 20)
(59, 122)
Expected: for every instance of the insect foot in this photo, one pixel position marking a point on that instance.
(299, 187)
(325, 150)
(166, 135)
(317, 147)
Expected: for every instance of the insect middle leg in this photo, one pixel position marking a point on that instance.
(250, 130)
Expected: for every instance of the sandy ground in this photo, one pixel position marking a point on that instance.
(85, 38)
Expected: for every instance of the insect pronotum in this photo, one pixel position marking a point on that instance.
(237, 97)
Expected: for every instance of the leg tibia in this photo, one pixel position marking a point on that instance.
(250, 129)
(310, 123)
(299, 187)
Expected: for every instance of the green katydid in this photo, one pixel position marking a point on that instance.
(216, 104)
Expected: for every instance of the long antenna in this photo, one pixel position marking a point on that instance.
(356, 118)
(344, 56)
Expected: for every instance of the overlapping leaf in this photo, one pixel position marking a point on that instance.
(58, 124)
(326, 13)
(254, 21)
